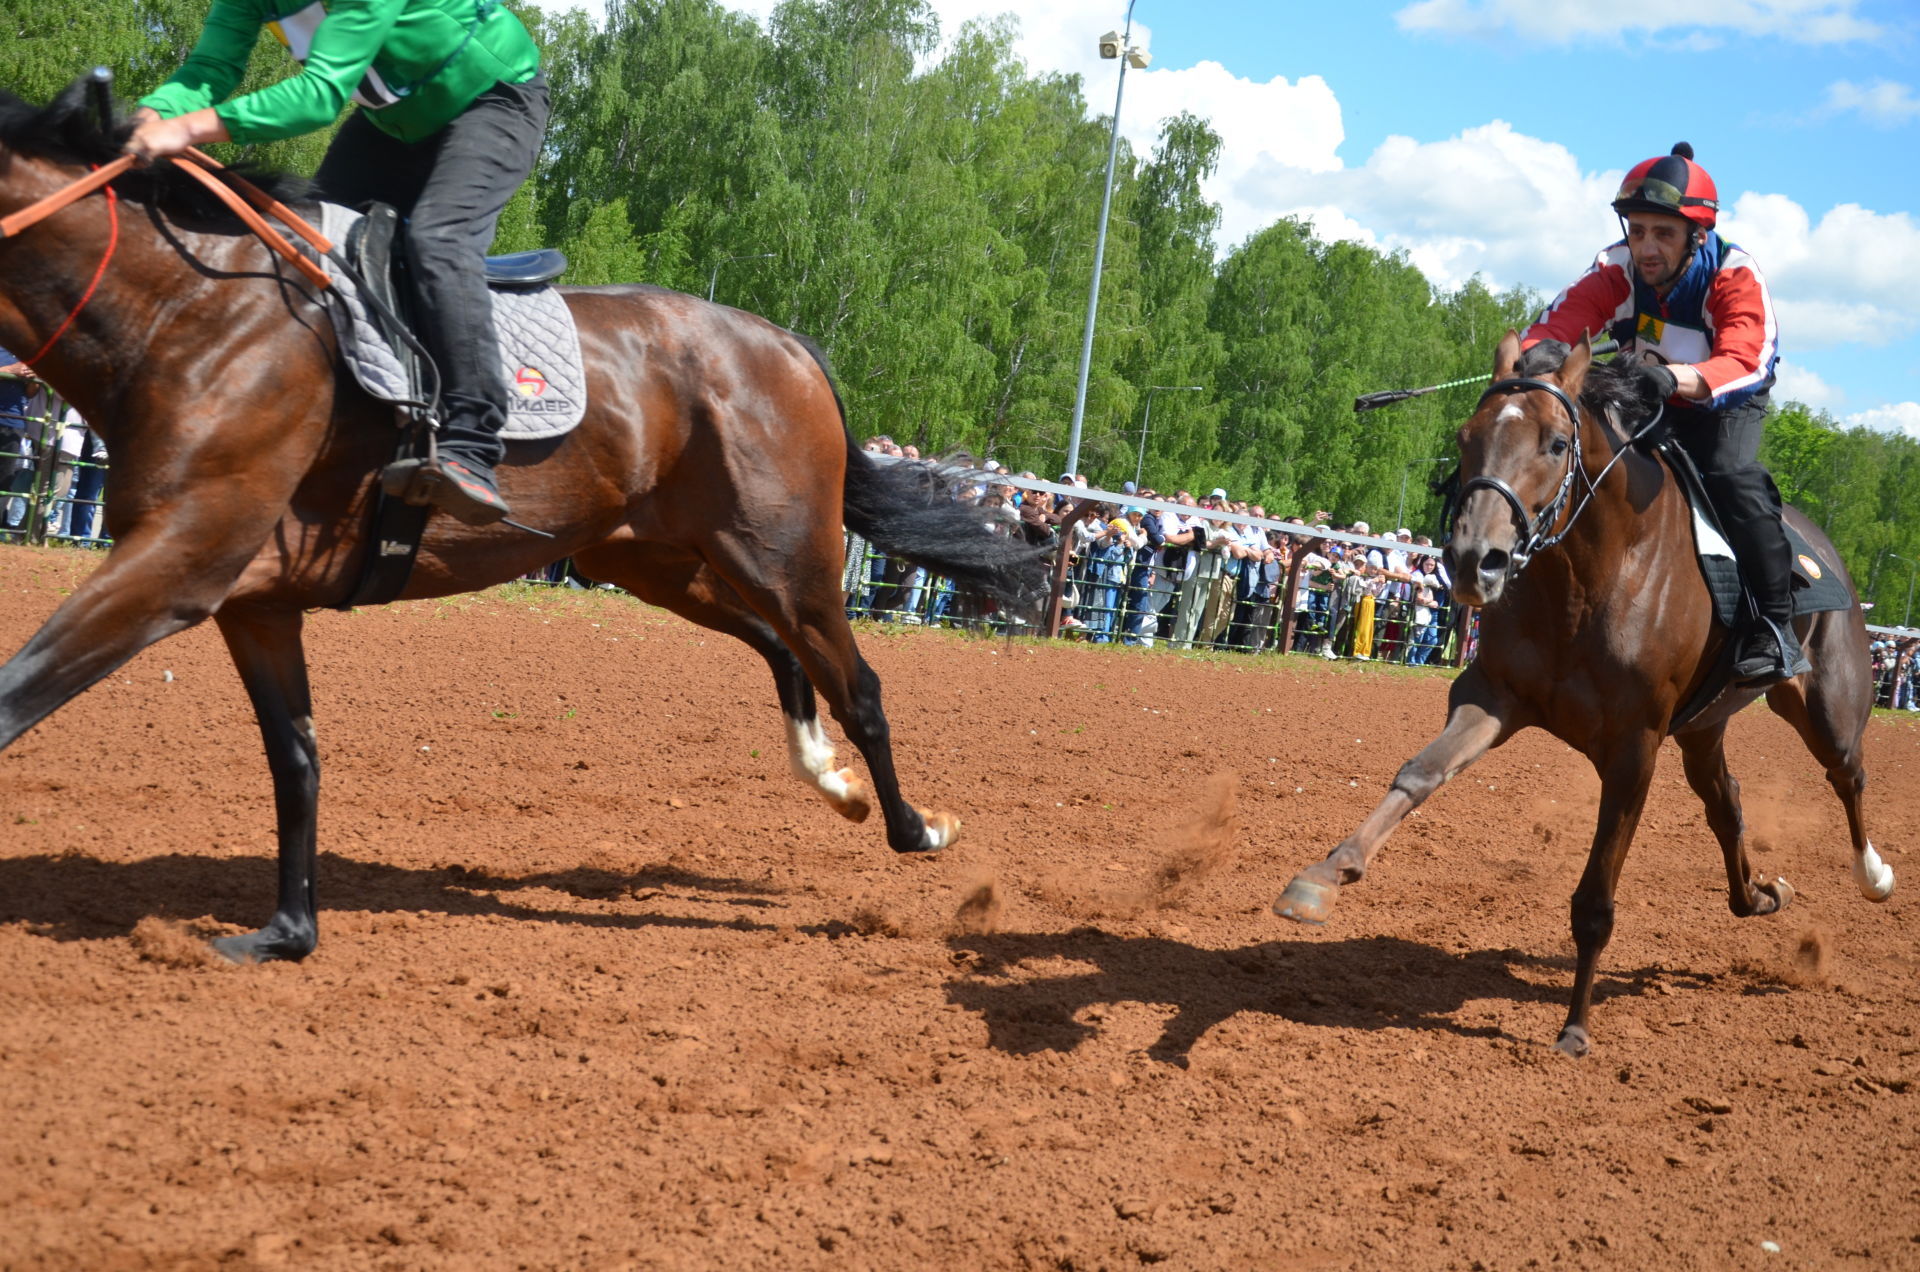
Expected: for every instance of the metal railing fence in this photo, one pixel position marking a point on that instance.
(53, 477)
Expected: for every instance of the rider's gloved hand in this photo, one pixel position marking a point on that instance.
(1543, 359)
(1658, 379)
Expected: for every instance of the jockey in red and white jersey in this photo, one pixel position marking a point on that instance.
(1692, 312)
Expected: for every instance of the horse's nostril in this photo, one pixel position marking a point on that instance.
(1494, 561)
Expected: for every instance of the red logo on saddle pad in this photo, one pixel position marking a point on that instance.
(1811, 566)
(530, 382)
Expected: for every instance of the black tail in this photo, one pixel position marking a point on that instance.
(914, 510)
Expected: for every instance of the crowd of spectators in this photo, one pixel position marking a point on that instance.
(1195, 577)
(1896, 673)
(1138, 575)
(52, 466)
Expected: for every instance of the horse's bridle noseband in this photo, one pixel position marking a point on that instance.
(1533, 531)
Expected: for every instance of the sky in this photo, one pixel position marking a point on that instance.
(1488, 137)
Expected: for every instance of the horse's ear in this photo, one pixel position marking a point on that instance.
(1506, 356)
(1573, 372)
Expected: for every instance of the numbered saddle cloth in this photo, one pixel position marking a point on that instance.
(539, 345)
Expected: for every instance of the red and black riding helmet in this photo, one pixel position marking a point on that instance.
(1672, 183)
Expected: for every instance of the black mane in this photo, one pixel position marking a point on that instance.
(66, 130)
(1616, 393)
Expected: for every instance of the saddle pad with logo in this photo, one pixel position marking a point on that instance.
(1816, 584)
(539, 347)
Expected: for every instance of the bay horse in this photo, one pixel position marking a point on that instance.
(711, 476)
(1600, 643)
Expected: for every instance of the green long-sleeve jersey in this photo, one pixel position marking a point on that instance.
(413, 65)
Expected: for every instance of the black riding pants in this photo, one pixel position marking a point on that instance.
(1725, 446)
(451, 187)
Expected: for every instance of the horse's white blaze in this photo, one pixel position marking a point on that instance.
(811, 755)
(1511, 411)
(1873, 876)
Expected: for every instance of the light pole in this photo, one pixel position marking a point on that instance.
(713, 277)
(1141, 466)
(1400, 516)
(1114, 44)
(1913, 567)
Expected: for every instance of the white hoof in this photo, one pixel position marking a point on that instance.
(1873, 876)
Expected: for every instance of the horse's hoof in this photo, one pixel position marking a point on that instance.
(270, 944)
(941, 829)
(1573, 1042)
(1780, 890)
(853, 804)
(1305, 901)
(1872, 876)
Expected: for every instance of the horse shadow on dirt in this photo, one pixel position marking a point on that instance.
(76, 897)
(1371, 983)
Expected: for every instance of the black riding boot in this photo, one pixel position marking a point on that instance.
(1749, 508)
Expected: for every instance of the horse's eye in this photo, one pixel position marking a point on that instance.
(1557, 447)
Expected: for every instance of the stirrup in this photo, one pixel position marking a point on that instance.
(1788, 659)
(437, 481)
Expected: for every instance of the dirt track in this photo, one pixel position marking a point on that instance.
(601, 986)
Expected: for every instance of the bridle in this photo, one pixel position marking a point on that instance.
(202, 170)
(1534, 531)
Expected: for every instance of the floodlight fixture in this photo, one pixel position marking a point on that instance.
(1110, 45)
(1138, 58)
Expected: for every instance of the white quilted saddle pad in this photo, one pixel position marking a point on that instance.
(539, 347)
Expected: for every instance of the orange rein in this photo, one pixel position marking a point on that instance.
(257, 223)
(34, 213)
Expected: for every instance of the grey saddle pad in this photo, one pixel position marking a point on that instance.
(539, 347)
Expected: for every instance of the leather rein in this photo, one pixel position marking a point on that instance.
(1536, 531)
(202, 169)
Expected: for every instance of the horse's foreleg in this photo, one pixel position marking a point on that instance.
(1624, 779)
(130, 602)
(1705, 757)
(1476, 723)
(267, 652)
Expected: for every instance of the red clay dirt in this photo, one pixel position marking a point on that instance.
(601, 986)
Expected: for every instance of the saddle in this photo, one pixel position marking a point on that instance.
(374, 319)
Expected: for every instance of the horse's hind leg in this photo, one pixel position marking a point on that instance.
(267, 652)
(797, 593)
(1705, 757)
(1829, 707)
(686, 585)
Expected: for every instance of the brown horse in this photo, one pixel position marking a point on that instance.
(711, 476)
(1600, 643)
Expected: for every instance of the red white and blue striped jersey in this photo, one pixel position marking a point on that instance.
(1717, 318)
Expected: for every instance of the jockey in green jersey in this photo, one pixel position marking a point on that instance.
(452, 111)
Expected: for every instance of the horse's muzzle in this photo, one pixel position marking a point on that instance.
(1479, 572)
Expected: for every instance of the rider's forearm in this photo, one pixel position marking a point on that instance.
(1689, 383)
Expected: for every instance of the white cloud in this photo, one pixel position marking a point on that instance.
(1796, 383)
(1900, 417)
(1882, 102)
(1854, 277)
(1701, 23)
(1490, 201)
